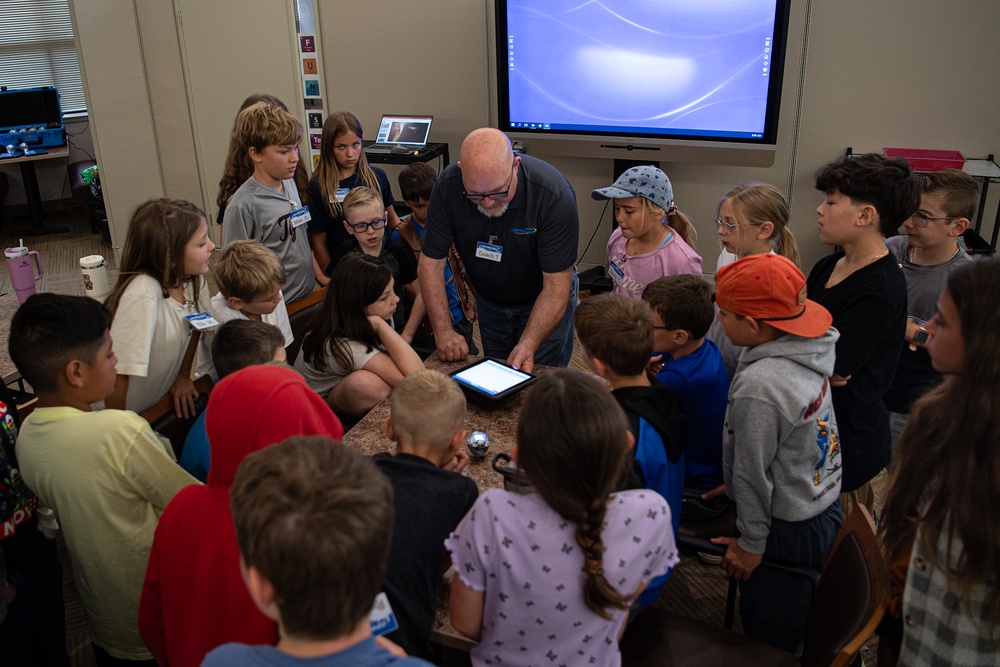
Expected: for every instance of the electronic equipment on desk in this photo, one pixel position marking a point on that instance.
(30, 121)
(401, 135)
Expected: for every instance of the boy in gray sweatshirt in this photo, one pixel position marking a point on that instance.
(781, 453)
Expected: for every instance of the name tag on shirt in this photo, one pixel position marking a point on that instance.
(489, 251)
(381, 618)
(340, 194)
(300, 217)
(201, 321)
(617, 273)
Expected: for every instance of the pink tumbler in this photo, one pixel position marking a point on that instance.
(22, 276)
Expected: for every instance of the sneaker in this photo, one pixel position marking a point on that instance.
(709, 559)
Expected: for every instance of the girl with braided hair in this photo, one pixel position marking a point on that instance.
(552, 574)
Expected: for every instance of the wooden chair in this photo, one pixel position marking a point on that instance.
(848, 604)
(300, 316)
(162, 419)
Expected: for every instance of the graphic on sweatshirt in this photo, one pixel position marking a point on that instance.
(829, 447)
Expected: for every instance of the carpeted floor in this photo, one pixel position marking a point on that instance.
(60, 258)
(695, 589)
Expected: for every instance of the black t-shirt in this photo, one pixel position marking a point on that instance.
(429, 504)
(869, 311)
(538, 233)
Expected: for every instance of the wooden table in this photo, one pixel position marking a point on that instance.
(500, 422)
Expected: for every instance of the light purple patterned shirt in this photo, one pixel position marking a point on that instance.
(525, 557)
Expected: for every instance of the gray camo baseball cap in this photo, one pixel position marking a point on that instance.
(643, 181)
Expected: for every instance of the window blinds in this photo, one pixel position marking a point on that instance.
(37, 49)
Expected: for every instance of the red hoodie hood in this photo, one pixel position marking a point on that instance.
(257, 407)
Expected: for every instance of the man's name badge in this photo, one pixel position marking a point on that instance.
(300, 217)
(201, 321)
(381, 618)
(489, 251)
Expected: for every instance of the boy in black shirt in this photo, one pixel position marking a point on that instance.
(867, 198)
(426, 414)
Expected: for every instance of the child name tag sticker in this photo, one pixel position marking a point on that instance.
(489, 251)
(617, 273)
(300, 216)
(201, 321)
(381, 618)
(340, 194)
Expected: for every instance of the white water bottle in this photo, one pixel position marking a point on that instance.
(95, 277)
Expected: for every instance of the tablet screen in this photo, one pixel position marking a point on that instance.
(491, 378)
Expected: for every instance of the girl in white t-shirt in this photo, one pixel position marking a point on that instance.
(351, 354)
(548, 577)
(167, 251)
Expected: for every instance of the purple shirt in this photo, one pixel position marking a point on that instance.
(673, 258)
(525, 557)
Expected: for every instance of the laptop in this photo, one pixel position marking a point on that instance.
(401, 134)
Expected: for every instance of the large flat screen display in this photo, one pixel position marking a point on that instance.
(641, 71)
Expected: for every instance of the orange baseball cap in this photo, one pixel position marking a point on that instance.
(771, 289)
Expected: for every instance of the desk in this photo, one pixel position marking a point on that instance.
(986, 172)
(368, 436)
(31, 193)
(429, 152)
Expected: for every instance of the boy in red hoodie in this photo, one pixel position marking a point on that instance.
(194, 598)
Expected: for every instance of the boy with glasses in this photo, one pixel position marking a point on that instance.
(927, 251)
(365, 220)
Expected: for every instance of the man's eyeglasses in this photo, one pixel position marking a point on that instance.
(362, 227)
(495, 196)
(728, 227)
(921, 218)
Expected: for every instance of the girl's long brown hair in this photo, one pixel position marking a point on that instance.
(357, 281)
(946, 476)
(328, 174)
(154, 245)
(572, 443)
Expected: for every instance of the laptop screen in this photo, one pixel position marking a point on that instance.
(404, 130)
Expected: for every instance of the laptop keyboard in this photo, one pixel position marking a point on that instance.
(386, 150)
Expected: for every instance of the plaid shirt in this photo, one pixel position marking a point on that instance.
(937, 628)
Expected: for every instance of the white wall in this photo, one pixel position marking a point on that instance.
(164, 82)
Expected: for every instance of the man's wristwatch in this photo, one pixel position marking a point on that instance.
(920, 338)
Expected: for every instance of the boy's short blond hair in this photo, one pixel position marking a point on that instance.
(427, 408)
(263, 125)
(248, 269)
(682, 302)
(362, 196)
(617, 330)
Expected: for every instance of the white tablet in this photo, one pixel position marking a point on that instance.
(489, 381)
